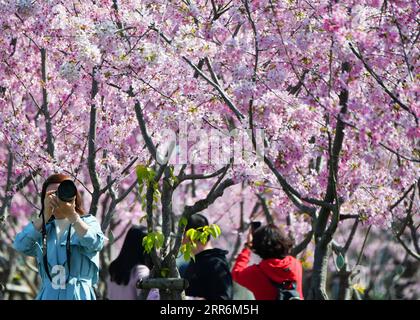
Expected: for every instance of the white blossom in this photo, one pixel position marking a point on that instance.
(88, 51)
(69, 71)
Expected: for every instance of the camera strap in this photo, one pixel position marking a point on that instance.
(68, 252)
(44, 246)
(44, 249)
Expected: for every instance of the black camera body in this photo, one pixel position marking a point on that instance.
(66, 191)
(255, 225)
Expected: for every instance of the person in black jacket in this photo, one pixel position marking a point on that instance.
(209, 276)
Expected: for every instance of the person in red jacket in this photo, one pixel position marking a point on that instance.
(273, 246)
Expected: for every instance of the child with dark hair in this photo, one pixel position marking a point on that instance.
(131, 265)
(277, 265)
(209, 275)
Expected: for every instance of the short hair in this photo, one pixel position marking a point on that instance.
(197, 221)
(270, 242)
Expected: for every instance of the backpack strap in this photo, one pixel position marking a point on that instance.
(287, 290)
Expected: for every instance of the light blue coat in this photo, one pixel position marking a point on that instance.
(84, 269)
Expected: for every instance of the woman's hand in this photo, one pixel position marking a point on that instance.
(50, 204)
(249, 238)
(68, 210)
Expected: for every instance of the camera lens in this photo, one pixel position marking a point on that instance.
(66, 191)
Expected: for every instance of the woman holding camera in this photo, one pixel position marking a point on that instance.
(279, 275)
(65, 242)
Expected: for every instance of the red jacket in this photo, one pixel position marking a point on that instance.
(255, 277)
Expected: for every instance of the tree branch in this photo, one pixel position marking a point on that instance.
(149, 143)
(301, 246)
(266, 210)
(44, 107)
(199, 206)
(380, 82)
(92, 148)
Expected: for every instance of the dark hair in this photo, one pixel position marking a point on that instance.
(197, 221)
(270, 242)
(131, 254)
(58, 178)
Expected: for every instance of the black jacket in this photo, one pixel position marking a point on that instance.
(209, 276)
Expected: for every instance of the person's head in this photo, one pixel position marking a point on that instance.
(194, 222)
(131, 254)
(270, 242)
(51, 184)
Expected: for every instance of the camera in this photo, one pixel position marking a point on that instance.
(255, 225)
(66, 191)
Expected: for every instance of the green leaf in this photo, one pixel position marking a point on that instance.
(340, 261)
(156, 188)
(183, 222)
(191, 233)
(152, 174)
(218, 230)
(160, 239)
(214, 230)
(171, 173)
(213, 233)
(142, 174)
(16, 277)
(203, 237)
(146, 245)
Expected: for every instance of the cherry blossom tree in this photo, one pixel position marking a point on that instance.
(90, 88)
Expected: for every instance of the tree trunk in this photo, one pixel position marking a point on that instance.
(319, 274)
(344, 290)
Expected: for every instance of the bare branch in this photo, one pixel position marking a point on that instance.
(407, 249)
(399, 154)
(381, 83)
(45, 111)
(92, 148)
(222, 93)
(199, 206)
(301, 246)
(351, 236)
(266, 210)
(182, 178)
(124, 171)
(149, 143)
